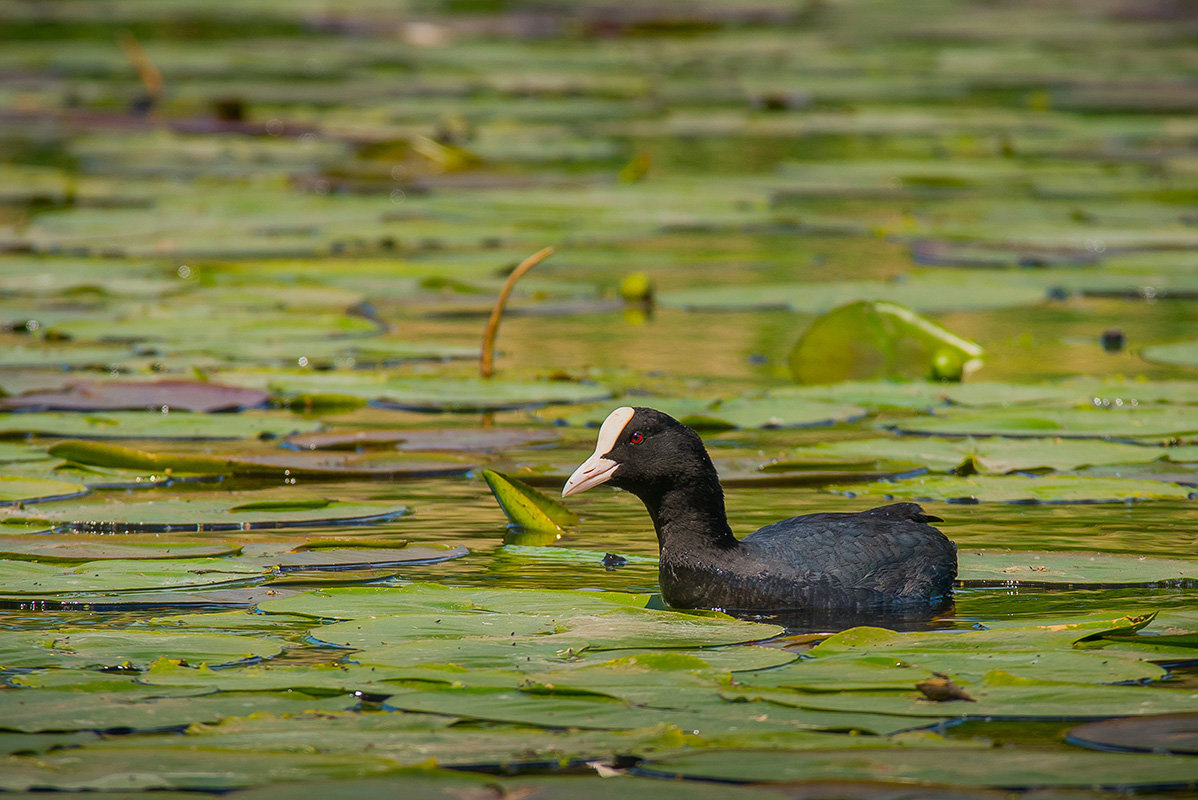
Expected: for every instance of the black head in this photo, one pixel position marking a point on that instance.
(642, 451)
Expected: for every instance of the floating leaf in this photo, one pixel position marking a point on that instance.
(1167, 733)
(998, 768)
(877, 340)
(1017, 489)
(16, 489)
(421, 394)
(470, 439)
(1183, 354)
(1124, 422)
(67, 647)
(224, 511)
(975, 455)
(46, 547)
(25, 578)
(526, 507)
(925, 292)
(195, 396)
(155, 425)
(1077, 569)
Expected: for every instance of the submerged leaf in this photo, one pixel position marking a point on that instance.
(878, 340)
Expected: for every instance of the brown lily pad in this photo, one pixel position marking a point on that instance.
(469, 439)
(180, 395)
(1162, 733)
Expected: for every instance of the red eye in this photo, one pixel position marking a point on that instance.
(636, 438)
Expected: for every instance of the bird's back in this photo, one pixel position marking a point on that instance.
(890, 553)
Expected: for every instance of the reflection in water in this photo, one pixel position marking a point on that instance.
(913, 617)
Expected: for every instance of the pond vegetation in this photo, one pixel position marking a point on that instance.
(248, 542)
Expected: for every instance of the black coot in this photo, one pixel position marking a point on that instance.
(886, 556)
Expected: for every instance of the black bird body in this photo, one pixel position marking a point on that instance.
(885, 556)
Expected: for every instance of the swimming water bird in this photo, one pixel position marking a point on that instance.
(883, 557)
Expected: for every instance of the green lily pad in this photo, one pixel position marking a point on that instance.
(764, 411)
(965, 456)
(223, 511)
(924, 292)
(1125, 422)
(879, 340)
(369, 601)
(998, 768)
(34, 710)
(1184, 354)
(258, 464)
(27, 578)
(1003, 696)
(469, 439)
(154, 425)
(420, 394)
(15, 489)
(1078, 569)
(1017, 489)
(67, 647)
(526, 507)
(52, 548)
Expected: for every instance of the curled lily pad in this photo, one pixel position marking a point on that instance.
(197, 396)
(526, 507)
(878, 340)
(1018, 489)
(360, 557)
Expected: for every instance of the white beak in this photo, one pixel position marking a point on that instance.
(592, 472)
(597, 469)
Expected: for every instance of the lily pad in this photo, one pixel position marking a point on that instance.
(1017, 489)
(179, 395)
(224, 511)
(448, 439)
(763, 411)
(369, 601)
(420, 394)
(1006, 769)
(154, 425)
(259, 464)
(18, 489)
(1076, 569)
(1183, 354)
(924, 292)
(966, 456)
(82, 647)
(1124, 422)
(1167, 733)
(27, 579)
(879, 340)
(51, 548)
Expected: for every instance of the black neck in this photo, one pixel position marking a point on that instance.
(689, 514)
